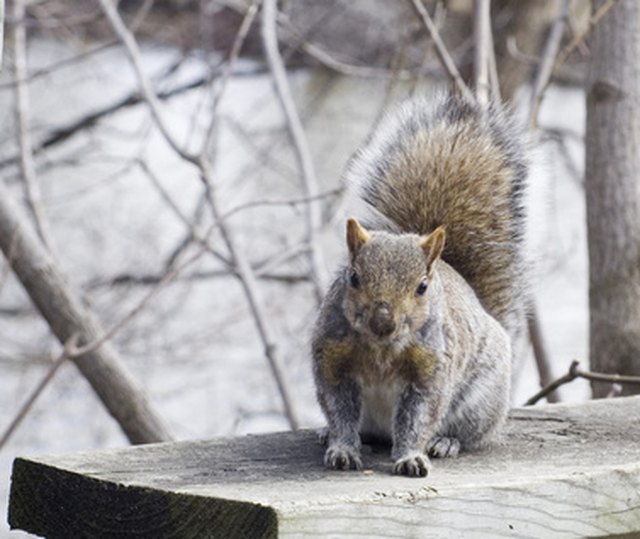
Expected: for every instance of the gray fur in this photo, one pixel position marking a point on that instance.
(429, 370)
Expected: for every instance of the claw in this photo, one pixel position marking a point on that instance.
(442, 446)
(342, 458)
(416, 465)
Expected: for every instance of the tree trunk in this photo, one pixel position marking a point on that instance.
(66, 316)
(613, 193)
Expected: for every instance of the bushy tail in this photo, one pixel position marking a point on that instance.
(445, 162)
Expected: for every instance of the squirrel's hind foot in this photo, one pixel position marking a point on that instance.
(323, 435)
(443, 446)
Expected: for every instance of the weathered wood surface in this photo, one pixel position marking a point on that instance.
(558, 471)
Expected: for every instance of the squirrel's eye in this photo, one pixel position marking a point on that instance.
(422, 287)
(354, 279)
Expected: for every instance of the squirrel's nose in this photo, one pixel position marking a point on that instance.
(381, 322)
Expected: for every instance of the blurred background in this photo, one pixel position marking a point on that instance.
(225, 261)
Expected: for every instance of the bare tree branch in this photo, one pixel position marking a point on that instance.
(545, 68)
(22, 112)
(517, 54)
(1, 31)
(354, 70)
(296, 201)
(6, 268)
(549, 63)
(540, 353)
(261, 269)
(66, 316)
(443, 54)
(542, 78)
(576, 372)
(72, 350)
(552, 60)
(483, 49)
(578, 39)
(63, 133)
(150, 97)
(242, 267)
(247, 21)
(31, 399)
(248, 281)
(300, 144)
(147, 279)
(331, 62)
(194, 233)
(42, 72)
(169, 276)
(264, 267)
(494, 79)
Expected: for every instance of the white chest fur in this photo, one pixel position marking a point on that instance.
(378, 408)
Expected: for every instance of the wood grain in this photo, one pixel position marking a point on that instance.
(558, 471)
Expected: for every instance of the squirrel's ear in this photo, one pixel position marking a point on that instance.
(356, 236)
(432, 245)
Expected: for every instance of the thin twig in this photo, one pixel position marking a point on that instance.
(442, 52)
(351, 70)
(44, 71)
(194, 233)
(574, 26)
(299, 141)
(72, 350)
(540, 353)
(284, 202)
(551, 387)
(609, 378)
(169, 276)
(575, 372)
(1, 31)
(150, 97)
(331, 62)
(214, 97)
(266, 266)
(248, 281)
(126, 279)
(579, 38)
(264, 152)
(43, 16)
(238, 42)
(543, 76)
(261, 269)
(515, 52)
(482, 38)
(22, 110)
(494, 79)
(242, 267)
(547, 61)
(61, 134)
(26, 407)
(550, 61)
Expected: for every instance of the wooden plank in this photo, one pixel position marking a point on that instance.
(558, 471)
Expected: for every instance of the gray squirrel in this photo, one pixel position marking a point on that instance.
(413, 342)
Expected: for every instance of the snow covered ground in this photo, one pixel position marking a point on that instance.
(195, 349)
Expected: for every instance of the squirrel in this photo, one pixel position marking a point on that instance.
(413, 342)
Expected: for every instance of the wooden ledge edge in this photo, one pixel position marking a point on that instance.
(85, 509)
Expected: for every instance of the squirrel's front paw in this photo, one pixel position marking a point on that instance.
(414, 465)
(340, 457)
